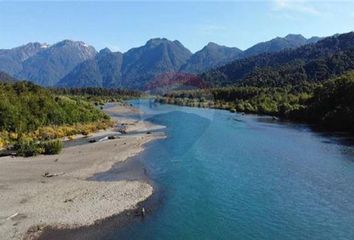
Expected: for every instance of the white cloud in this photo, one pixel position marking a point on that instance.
(295, 6)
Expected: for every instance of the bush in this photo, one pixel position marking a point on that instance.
(25, 107)
(52, 147)
(27, 148)
(2, 143)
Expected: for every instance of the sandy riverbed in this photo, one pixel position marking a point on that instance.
(28, 199)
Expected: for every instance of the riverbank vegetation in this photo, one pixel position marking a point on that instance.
(32, 118)
(98, 96)
(329, 104)
(272, 101)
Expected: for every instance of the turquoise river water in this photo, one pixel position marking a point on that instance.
(230, 176)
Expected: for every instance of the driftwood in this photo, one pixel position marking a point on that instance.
(12, 216)
(48, 175)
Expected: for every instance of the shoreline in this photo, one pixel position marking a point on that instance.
(96, 230)
(317, 127)
(69, 199)
(115, 222)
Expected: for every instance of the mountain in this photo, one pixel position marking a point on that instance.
(47, 67)
(11, 59)
(157, 56)
(313, 62)
(211, 56)
(278, 44)
(313, 40)
(102, 71)
(75, 64)
(161, 58)
(133, 69)
(5, 78)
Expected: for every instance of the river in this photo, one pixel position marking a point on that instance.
(223, 175)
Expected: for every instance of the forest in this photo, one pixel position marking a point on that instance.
(31, 115)
(329, 104)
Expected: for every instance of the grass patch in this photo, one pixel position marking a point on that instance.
(52, 147)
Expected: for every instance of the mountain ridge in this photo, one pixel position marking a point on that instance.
(56, 61)
(76, 64)
(103, 70)
(328, 57)
(210, 56)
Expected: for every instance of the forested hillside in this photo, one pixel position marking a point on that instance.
(29, 113)
(317, 62)
(26, 107)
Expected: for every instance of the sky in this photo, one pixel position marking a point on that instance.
(121, 25)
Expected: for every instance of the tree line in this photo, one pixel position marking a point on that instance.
(32, 118)
(329, 104)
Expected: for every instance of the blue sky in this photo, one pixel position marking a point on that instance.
(123, 25)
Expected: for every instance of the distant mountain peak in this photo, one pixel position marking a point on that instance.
(212, 44)
(44, 45)
(314, 39)
(210, 56)
(105, 51)
(30, 44)
(292, 35)
(63, 42)
(154, 41)
(158, 41)
(157, 56)
(84, 44)
(277, 44)
(51, 63)
(296, 39)
(68, 42)
(178, 42)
